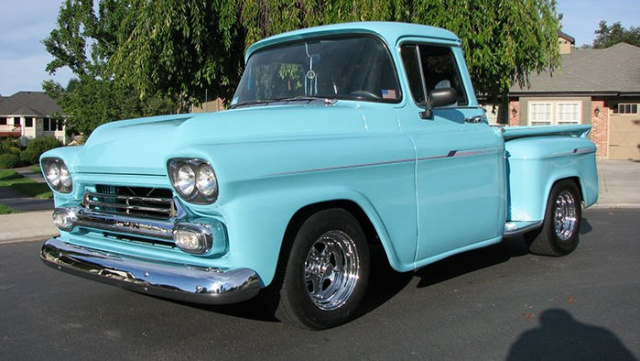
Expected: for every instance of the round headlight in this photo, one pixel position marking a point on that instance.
(53, 175)
(206, 180)
(57, 174)
(65, 177)
(185, 180)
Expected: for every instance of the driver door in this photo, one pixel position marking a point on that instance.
(460, 177)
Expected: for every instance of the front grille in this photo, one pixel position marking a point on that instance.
(144, 202)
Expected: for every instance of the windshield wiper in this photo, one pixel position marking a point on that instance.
(308, 98)
(305, 98)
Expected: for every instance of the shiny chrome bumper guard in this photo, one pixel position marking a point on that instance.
(80, 219)
(180, 282)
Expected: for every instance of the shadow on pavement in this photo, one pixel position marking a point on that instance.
(385, 283)
(585, 226)
(562, 337)
(471, 261)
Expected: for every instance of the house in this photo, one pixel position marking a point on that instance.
(29, 115)
(600, 87)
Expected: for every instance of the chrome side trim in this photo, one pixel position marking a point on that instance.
(182, 282)
(519, 227)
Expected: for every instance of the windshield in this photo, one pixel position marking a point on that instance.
(353, 68)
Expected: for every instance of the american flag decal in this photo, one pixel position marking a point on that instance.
(388, 93)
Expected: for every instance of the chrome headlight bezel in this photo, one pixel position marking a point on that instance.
(193, 179)
(57, 175)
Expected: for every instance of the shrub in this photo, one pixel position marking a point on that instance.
(10, 146)
(9, 160)
(36, 147)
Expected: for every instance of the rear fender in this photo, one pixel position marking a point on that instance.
(535, 164)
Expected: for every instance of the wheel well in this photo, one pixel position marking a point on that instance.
(301, 215)
(576, 181)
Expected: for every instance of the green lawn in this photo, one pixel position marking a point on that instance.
(26, 186)
(5, 210)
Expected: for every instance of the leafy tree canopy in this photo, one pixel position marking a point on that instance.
(607, 36)
(174, 49)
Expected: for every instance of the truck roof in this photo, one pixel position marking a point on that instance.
(390, 32)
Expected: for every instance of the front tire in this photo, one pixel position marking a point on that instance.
(326, 272)
(560, 231)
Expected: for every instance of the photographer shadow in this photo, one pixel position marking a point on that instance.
(562, 337)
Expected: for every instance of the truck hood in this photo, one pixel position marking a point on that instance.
(142, 146)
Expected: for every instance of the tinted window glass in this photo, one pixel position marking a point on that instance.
(411, 66)
(439, 67)
(340, 68)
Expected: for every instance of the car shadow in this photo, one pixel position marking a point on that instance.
(585, 226)
(385, 283)
(471, 261)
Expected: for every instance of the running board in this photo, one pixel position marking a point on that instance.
(513, 228)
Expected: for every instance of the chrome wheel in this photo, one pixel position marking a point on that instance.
(331, 270)
(560, 231)
(565, 216)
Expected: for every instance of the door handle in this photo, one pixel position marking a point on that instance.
(476, 119)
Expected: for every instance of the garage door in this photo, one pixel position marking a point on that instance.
(624, 136)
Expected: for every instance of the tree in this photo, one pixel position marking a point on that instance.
(85, 41)
(175, 49)
(608, 36)
(504, 40)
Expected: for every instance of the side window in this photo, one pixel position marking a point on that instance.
(410, 61)
(439, 68)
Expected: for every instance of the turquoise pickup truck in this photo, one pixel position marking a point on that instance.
(339, 138)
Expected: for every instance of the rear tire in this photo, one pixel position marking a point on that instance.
(326, 272)
(561, 228)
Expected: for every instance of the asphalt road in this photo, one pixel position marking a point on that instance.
(499, 303)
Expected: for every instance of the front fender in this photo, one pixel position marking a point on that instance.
(257, 224)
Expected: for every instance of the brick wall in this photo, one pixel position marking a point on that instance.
(514, 116)
(600, 127)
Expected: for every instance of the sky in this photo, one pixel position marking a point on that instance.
(25, 23)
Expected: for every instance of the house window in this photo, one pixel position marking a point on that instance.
(3, 121)
(568, 113)
(60, 125)
(28, 122)
(16, 121)
(627, 108)
(555, 113)
(540, 113)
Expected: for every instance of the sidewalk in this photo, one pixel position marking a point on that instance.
(619, 183)
(34, 222)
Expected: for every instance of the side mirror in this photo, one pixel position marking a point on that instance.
(443, 97)
(439, 98)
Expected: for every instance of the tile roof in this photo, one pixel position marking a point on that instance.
(36, 104)
(612, 70)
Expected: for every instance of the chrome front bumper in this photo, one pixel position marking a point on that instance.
(180, 282)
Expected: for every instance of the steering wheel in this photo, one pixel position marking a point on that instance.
(364, 94)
